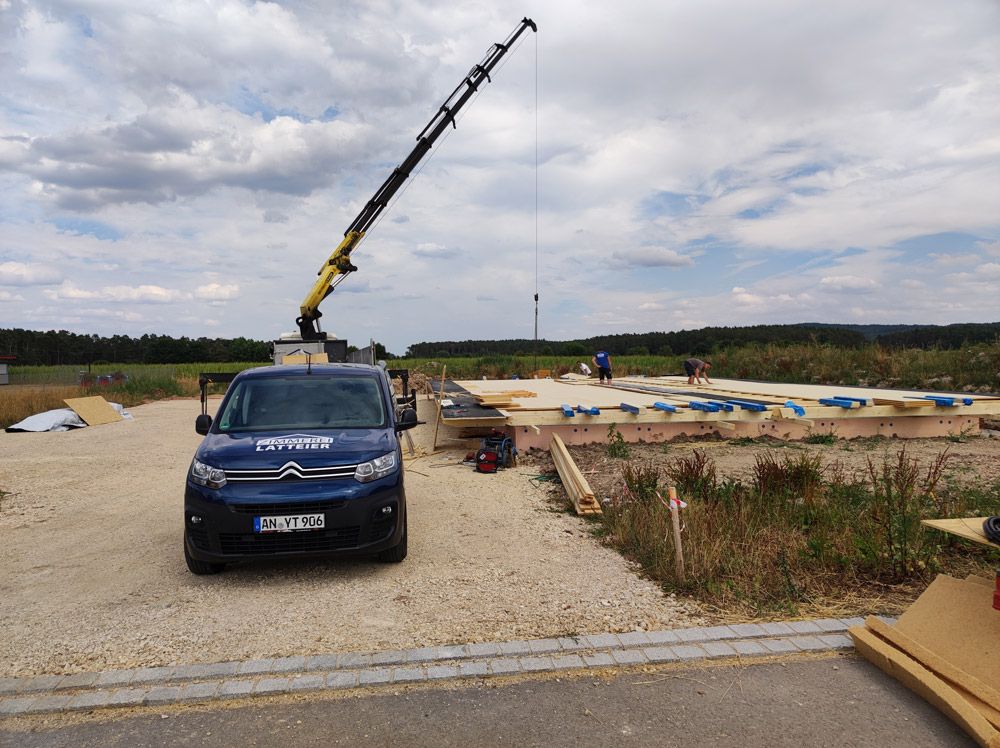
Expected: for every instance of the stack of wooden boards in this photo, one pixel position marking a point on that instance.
(572, 479)
(946, 648)
(502, 400)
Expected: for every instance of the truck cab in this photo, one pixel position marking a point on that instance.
(300, 461)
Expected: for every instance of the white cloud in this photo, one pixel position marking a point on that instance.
(143, 294)
(217, 291)
(8, 296)
(988, 270)
(433, 251)
(27, 274)
(654, 257)
(848, 283)
(744, 298)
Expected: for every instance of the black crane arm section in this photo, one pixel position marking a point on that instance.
(339, 264)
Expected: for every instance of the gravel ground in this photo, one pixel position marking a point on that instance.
(94, 577)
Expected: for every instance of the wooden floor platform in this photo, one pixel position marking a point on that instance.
(580, 410)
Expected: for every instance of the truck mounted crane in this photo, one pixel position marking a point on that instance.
(338, 266)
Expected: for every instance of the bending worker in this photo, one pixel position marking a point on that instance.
(695, 369)
(602, 361)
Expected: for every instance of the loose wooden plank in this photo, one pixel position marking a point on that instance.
(970, 528)
(935, 662)
(576, 485)
(926, 684)
(955, 619)
(306, 358)
(901, 403)
(94, 411)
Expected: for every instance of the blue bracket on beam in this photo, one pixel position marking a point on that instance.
(665, 407)
(861, 400)
(968, 401)
(723, 404)
(567, 411)
(708, 407)
(747, 405)
(837, 402)
(588, 411)
(630, 409)
(797, 409)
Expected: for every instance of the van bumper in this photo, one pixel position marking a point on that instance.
(361, 525)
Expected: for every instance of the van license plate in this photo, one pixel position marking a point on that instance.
(289, 523)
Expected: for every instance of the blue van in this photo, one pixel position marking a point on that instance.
(300, 461)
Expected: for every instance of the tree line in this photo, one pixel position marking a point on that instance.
(55, 347)
(681, 342)
(943, 336)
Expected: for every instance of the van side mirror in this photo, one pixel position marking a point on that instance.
(202, 424)
(407, 419)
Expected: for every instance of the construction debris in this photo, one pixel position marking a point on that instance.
(94, 411)
(576, 485)
(61, 419)
(946, 648)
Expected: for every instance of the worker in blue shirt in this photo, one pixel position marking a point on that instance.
(602, 361)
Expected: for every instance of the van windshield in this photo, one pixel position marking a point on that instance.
(309, 402)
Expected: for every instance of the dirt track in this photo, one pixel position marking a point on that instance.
(93, 576)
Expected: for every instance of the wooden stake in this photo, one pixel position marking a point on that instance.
(675, 519)
(437, 423)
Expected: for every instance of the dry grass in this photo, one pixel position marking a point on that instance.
(17, 402)
(796, 537)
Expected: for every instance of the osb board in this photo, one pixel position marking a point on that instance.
(552, 394)
(926, 684)
(955, 620)
(302, 358)
(93, 410)
(970, 528)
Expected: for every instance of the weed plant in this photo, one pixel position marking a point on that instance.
(794, 531)
(617, 448)
(825, 437)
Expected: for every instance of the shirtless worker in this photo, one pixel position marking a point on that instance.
(695, 368)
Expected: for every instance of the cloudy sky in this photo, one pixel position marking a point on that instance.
(186, 167)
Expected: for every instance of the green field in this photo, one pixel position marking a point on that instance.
(974, 368)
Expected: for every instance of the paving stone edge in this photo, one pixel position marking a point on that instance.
(201, 682)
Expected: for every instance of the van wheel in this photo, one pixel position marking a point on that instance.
(397, 553)
(200, 567)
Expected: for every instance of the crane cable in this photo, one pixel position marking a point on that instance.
(535, 347)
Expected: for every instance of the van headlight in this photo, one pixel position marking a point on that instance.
(206, 475)
(375, 469)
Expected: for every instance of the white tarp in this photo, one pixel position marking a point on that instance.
(62, 419)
